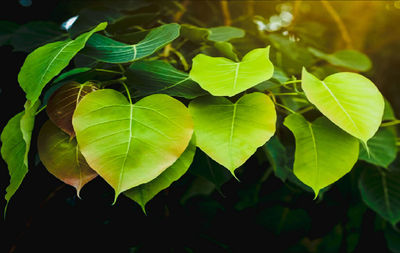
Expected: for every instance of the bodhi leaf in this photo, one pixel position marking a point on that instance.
(223, 77)
(47, 61)
(60, 155)
(382, 148)
(225, 33)
(149, 77)
(108, 50)
(349, 100)
(314, 163)
(144, 193)
(231, 133)
(131, 144)
(16, 139)
(62, 104)
(380, 191)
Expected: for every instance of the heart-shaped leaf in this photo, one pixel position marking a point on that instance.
(62, 104)
(149, 77)
(47, 61)
(144, 193)
(314, 163)
(61, 156)
(223, 77)
(131, 144)
(380, 191)
(225, 33)
(108, 50)
(230, 133)
(349, 100)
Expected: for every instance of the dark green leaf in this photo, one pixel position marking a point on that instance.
(194, 33)
(71, 73)
(277, 157)
(7, 29)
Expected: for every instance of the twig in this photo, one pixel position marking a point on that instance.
(391, 123)
(225, 12)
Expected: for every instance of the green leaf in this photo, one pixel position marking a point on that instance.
(194, 34)
(231, 133)
(393, 239)
(350, 59)
(349, 100)
(61, 157)
(225, 33)
(277, 157)
(388, 113)
(62, 104)
(48, 61)
(131, 144)
(144, 193)
(108, 50)
(7, 29)
(318, 160)
(380, 191)
(382, 148)
(16, 140)
(226, 49)
(71, 73)
(149, 77)
(223, 77)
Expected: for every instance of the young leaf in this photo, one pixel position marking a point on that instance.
(380, 191)
(47, 61)
(131, 144)
(225, 33)
(318, 160)
(223, 77)
(382, 148)
(62, 104)
(231, 133)
(108, 50)
(16, 139)
(149, 77)
(60, 155)
(144, 193)
(349, 100)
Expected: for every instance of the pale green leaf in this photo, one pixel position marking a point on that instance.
(108, 50)
(131, 144)
(380, 191)
(223, 77)
(46, 62)
(149, 77)
(324, 153)
(349, 100)
(144, 193)
(61, 157)
(225, 33)
(382, 148)
(230, 133)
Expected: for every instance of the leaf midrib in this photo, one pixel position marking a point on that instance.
(315, 153)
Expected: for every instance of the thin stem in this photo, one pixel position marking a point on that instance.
(181, 58)
(41, 109)
(266, 174)
(285, 107)
(293, 81)
(309, 108)
(288, 94)
(127, 91)
(390, 123)
(109, 71)
(106, 83)
(121, 68)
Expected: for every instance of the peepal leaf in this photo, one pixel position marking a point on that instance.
(349, 100)
(225, 33)
(131, 144)
(61, 157)
(380, 191)
(108, 50)
(16, 139)
(231, 133)
(149, 77)
(62, 104)
(144, 193)
(314, 163)
(47, 61)
(223, 77)
(382, 148)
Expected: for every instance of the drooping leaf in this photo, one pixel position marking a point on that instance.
(382, 148)
(314, 163)
(131, 144)
(61, 156)
(223, 77)
(226, 49)
(37, 33)
(144, 193)
(194, 33)
(16, 139)
(149, 77)
(380, 191)
(225, 33)
(62, 104)
(108, 50)
(7, 29)
(349, 100)
(46, 62)
(230, 133)
(277, 157)
(350, 59)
